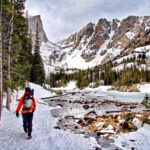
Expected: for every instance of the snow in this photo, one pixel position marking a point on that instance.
(142, 49)
(102, 91)
(147, 28)
(118, 68)
(99, 124)
(140, 139)
(76, 60)
(107, 131)
(137, 122)
(115, 95)
(128, 65)
(46, 50)
(40, 92)
(70, 86)
(110, 127)
(130, 35)
(45, 137)
(144, 88)
(64, 55)
(138, 115)
(69, 57)
(100, 88)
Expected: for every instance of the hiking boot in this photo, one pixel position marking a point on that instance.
(29, 137)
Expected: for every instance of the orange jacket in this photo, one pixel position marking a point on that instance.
(21, 103)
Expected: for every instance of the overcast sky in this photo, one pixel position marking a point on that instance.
(64, 17)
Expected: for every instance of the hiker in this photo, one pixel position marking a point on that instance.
(29, 106)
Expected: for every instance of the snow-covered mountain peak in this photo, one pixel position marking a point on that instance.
(99, 43)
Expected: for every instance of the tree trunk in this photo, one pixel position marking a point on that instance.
(1, 66)
(9, 59)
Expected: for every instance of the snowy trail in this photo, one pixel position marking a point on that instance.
(45, 137)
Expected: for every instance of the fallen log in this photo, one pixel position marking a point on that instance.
(117, 111)
(55, 96)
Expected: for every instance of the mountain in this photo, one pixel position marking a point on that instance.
(32, 21)
(106, 41)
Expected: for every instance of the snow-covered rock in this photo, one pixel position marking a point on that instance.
(144, 88)
(137, 122)
(138, 140)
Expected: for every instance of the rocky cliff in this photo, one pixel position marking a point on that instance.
(105, 41)
(32, 26)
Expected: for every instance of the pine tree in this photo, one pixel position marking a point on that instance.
(15, 45)
(8, 55)
(91, 75)
(7, 30)
(37, 71)
(1, 65)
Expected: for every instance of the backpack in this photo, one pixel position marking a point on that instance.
(27, 102)
(32, 92)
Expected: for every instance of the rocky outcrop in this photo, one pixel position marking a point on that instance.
(101, 34)
(75, 39)
(133, 32)
(132, 88)
(115, 24)
(32, 26)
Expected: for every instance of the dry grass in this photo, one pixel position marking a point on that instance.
(121, 122)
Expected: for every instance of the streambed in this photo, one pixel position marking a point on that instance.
(76, 111)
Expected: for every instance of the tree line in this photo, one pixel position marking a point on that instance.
(18, 62)
(105, 74)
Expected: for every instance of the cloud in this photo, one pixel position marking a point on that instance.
(63, 17)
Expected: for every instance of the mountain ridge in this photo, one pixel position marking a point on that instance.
(97, 43)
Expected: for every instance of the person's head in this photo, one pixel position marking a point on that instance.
(27, 89)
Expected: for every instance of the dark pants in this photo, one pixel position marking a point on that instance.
(27, 121)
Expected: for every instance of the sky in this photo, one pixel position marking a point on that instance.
(62, 18)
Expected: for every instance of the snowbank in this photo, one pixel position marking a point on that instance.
(144, 88)
(40, 92)
(100, 88)
(140, 139)
(70, 86)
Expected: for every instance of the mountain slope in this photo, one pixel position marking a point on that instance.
(103, 42)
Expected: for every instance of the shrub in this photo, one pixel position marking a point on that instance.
(147, 121)
(106, 124)
(146, 101)
(58, 91)
(130, 116)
